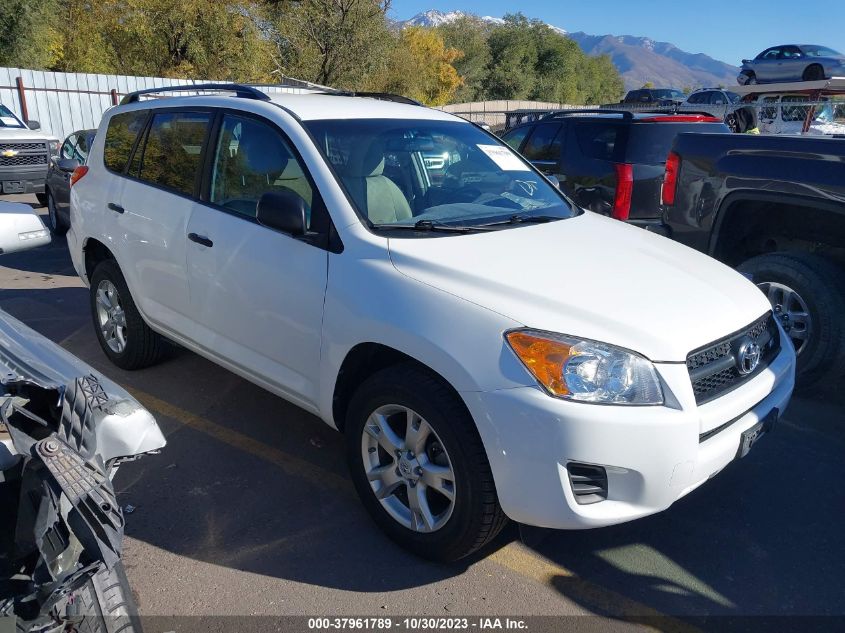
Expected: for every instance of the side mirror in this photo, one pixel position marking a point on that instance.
(32, 124)
(283, 211)
(67, 165)
(20, 228)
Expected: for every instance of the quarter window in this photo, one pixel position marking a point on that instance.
(173, 150)
(599, 140)
(120, 137)
(252, 159)
(515, 137)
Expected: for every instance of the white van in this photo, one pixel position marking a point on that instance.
(489, 349)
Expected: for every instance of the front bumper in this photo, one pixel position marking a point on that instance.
(23, 179)
(653, 456)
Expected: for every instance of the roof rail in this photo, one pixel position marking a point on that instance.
(628, 114)
(240, 90)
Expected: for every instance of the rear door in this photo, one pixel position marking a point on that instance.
(257, 294)
(543, 147)
(592, 148)
(151, 208)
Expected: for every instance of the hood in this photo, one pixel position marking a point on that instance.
(593, 278)
(24, 134)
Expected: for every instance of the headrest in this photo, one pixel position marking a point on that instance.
(264, 154)
(365, 160)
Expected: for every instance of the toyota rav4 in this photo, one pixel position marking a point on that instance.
(489, 349)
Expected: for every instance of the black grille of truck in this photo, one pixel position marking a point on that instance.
(17, 154)
(715, 369)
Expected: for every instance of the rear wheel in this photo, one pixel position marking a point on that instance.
(124, 336)
(56, 225)
(808, 297)
(419, 466)
(814, 73)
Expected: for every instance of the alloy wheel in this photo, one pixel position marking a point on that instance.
(110, 316)
(408, 468)
(792, 312)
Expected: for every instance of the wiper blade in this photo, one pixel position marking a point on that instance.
(432, 226)
(527, 219)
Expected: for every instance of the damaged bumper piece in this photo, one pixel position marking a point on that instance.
(64, 430)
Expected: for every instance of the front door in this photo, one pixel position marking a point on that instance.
(256, 294)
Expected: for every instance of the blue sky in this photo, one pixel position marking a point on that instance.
(725, 30)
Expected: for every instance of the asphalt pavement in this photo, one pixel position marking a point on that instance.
(249, 511)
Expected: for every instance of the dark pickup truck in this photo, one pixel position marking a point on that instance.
(774, 208)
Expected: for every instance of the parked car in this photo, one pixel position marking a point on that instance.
(655, 96)
(610, 162)
(65, 431)
(790, 62)
(72, 154)
(483, 356)
(787, 114)
(24, 155)
(717, 102)
(774, 207)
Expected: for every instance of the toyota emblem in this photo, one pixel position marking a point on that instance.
(748, 357)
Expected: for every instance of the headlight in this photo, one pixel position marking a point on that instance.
(54, 147)
(586, 371)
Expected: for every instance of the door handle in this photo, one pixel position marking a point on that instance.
(115, 207)
(200, 239)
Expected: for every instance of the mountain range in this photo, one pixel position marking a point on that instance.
(638, 59)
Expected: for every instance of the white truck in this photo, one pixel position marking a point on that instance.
(24, 155)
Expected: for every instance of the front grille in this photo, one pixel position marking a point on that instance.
(715, 369)
(23, 159)
(589, 483)
(22, 146)
(25, 154)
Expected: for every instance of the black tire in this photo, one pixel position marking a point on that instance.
(819, 284)
(106, 605)
(813, 73)
(477, 517)
(57, 226)
(732, 122)
(42, 199)
(143, 346)
(752, 79)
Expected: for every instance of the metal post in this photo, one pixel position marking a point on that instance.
(22, 99)
(114, 100)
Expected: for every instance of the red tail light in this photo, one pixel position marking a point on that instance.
(670, 180)
(624, 190)
(78, 173)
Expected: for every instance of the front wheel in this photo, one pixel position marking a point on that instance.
(104, 604)
(808, 297)
(419, 465)
(42, 199)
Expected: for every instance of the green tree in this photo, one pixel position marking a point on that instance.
(28, 35)
(648, 85)
(469, 35)
(332, 42)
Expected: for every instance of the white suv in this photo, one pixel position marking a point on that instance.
(489, 349)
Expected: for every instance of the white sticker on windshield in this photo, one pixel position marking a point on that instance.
(504, 158)
(7, 120)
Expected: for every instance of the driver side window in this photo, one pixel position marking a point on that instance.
(251, 159)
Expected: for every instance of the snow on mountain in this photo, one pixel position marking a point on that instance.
(437, 18)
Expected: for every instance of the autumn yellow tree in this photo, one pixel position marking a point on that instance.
(420, 66)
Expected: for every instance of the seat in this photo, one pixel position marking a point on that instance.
(294, 179)
(376, 195)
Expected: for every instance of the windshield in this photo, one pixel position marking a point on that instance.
(407, 172)
(820, 51)
(669, 94)
(8, 118)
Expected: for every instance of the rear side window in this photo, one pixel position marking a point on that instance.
(172, 152)
(600, 140)
(650, 143)
(544, 143)
(120, 137)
